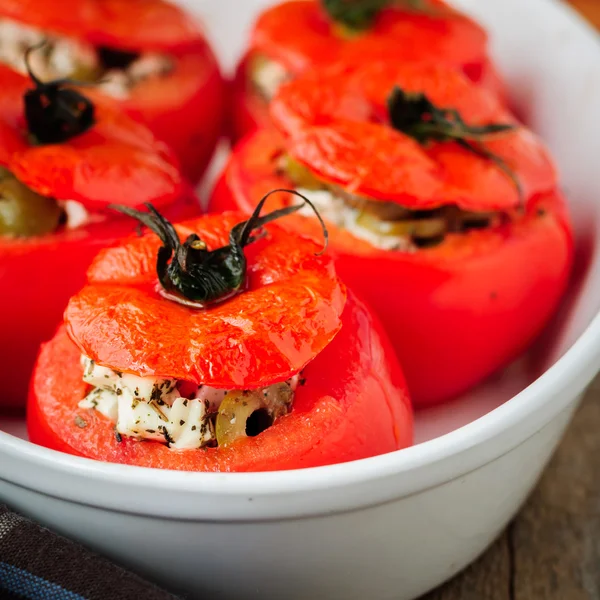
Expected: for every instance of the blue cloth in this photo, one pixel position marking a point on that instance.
(36, 564)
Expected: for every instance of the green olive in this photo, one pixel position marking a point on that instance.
(234, 412)
(301, 176)
(345, 32)
(385, 211)
(247, 414)
(86, 73)
(23, 212)
(418, 228)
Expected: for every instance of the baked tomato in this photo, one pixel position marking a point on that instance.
(296, 35)
(53, 209)
(288, 371)
(442, 210)
(147, 54)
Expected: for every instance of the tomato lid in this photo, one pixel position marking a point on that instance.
(130, 24)
(300, 34)
(288, 313)
(117, 160)
(338, 125)
(143, 25)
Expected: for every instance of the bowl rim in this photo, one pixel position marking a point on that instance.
(564, 380)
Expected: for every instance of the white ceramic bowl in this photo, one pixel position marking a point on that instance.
(393, 526)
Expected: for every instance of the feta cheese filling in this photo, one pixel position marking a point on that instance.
(182, 415)
(384, 225)
(337, 211)
(63, 57)
(268, 76)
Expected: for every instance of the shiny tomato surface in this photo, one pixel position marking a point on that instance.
(399, 34)
(117, 161)
(455, 312)
(184, 108)
(294, 316)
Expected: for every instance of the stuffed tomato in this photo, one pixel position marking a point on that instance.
(242, 351)
(53, 206)
(147, 54)
(296, 35)
(443, 211)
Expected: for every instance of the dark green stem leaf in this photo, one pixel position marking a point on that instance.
(189, 272)
(416, 116)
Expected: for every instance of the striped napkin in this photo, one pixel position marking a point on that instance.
(36, 564)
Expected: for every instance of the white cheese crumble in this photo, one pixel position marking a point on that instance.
(76, 214)
(268, 76)
(335, 210)
(118, 82)
(63, 57)
(151, 408)
(60, 57)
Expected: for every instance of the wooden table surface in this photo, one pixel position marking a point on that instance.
(551, 551)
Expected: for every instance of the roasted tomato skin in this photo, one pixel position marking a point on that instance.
(397, 35)
(249, 111)
(37, 278)
(353, 405)
(187, 112)
(456, 312)
(185, 109)
(118, 161)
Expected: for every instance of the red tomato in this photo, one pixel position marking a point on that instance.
(337, 122)
(455, 312)
(299, 34)
(183, 108)
(291, 309)
(296, 317)
(117, 160)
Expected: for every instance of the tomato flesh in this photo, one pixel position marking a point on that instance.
(353, 405)
(456, 312)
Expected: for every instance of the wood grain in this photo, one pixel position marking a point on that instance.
(589, 8)
(552, 549)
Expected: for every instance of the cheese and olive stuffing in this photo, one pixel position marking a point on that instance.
(182, 415)
(385, 225)
(67, 58)
(267, 76)
(24, 213)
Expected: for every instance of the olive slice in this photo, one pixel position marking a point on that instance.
(416, 228)
(234, 413)
(247, 414)
(301, 176)
(23, 213)
(386, 211)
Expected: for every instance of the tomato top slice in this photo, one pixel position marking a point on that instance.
(338, 127)
(118, 160)
(289, 312)
(130, 25)
(360, 93)
(143, 25)
(300, 34)
(64, 18)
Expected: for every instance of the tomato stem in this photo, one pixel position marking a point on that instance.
(54, 112)
(416, 116)
(195, 276)
(359, 15)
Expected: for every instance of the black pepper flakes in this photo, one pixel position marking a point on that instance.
(182, 422)
(80, 422)
(118, 436)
